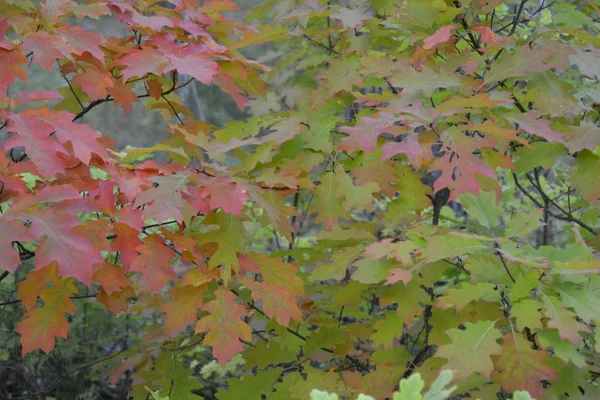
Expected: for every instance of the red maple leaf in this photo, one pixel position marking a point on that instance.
(153, 263)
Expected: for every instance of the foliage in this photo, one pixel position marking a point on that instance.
(410, 389)
(414, 191)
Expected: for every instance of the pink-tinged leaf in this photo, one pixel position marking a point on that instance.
(12, 231)
(142, 62)
(197, 66)
(83, 138)
(488, 36)
(440, 36)
(34, 135)
(26, 98)
(80, 41)
(364, 135)
(60, 242)
(539, 127)
(165, 201)
(410, 147)
(46, 48)
(277, 301)
(154, 22)
(225, 194)
(459, 173)
(399, 275)
(153, 263)
(224, 325)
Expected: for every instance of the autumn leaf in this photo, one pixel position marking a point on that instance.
(277, 302)
(43, 325)
(180, 310)
(153, 263)
(522, 368)
(224, 325)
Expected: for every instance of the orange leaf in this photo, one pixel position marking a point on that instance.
(181, 310)
(111, 277)
(43, 324)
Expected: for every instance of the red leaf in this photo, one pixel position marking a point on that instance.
(12, 231)
(488, 36)
(153, 263)
(126, 243)
(80, 41)
(34, 135)
(141, 62)
(46, 48)
(74, 253)
(83, 138)
(277, 301)
(440, 36)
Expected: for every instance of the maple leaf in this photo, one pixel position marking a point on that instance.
(30, 288)
(11, 62)
(224, 325)
(194, 65)
(80, 40)
(278, 273)
(43, 324)
(166, 199)
(153, 263)
(471, 349)
(180, 311)
(277, 302)
(94, 82)
(522, 368)
(123, 97)
(563, 320)
(126, 243)
(230, 238)
(525, 60)
(488, 36)
(83, 138)
(141, 62)
(60, 242)
(116, 302)
(225, 194)
(34, 135)
(249, 386)
(364, 136)
(111, 277)
(12, 231)
(440, 36)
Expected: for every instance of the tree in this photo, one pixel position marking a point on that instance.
(414, 191)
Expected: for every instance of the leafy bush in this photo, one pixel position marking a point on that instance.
(415, 190)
